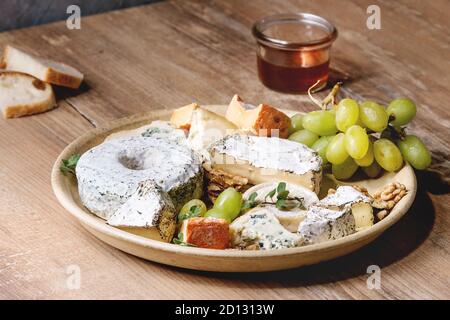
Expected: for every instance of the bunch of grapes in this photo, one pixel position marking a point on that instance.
(367, 135)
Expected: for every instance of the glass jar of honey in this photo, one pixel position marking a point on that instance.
(293, 51)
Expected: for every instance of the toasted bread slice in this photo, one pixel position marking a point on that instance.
(46, 70)
(262, 120)
(22, 94)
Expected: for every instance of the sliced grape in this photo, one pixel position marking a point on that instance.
(218, 214)
(296, 123)
(373, 170)
(345, 170)
(321, 122)
(304, 136)
(347, 114)
(373, 116)
(320, 146)
(229, 201)
(415, 152)
(387, 155)
(336, 152)
(356, 142)
(192, 208)
(368, 158)
(403, 110)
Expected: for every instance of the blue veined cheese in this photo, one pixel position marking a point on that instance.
(359, 204)
(109, 173)
(149, 212)
(322, 224)
(259, 229)
(264, 159)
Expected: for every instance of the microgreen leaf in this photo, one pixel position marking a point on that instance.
(69, 165)
(179, 241)
(283, 194)
(271, 194)
(281, 187)
(280, 204)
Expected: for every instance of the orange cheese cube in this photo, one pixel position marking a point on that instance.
(209, 233)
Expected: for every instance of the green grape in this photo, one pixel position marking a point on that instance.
(403, 110)
(356, 142)
(218, 214)
(415, 152)
(373, 116)
(320, 146)
(344, 170)
(367, 160)
(321, 122)
(192, 208)
(336, 152)
(373, 170)
(304, 136)
(229, 201)
(347, 114)
(296, 123)
(387, 155)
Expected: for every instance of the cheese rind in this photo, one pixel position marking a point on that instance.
(259, 229)
(321, 225)
(349, 197)
(262, 159)
(109, 173)
(149, 207)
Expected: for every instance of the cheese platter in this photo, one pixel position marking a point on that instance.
(289, 211)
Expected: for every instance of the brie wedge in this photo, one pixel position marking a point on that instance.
(263, 159)
(259, 229)
(323, 224)
(149, 212)
(349, 197)
(291, 218)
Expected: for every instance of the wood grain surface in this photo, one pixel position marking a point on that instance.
(172, 53)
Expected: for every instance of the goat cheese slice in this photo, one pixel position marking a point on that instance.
(290, 219)
(149, 212)
(349, 197)
(259, 229)
(322, 224)
(264, 159)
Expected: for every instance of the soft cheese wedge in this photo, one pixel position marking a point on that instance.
(149, 212)
(207, 127)
(262, 120)
(322, 224)
(259, 229)
(263, 159)
(349, 197)
(290, 219)
(181, 117)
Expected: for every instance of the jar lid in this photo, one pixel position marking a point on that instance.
(294, 31)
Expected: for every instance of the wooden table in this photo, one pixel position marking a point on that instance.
(172, 53)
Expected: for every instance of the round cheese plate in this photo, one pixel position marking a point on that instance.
(231, 260)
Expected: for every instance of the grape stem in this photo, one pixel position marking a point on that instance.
(330, 98)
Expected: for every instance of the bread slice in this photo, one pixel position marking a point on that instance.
(46, 70)
(22, 94)
(262, 120)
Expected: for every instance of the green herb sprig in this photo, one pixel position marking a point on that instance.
(69, 165)
(194, 211)
(179, 240)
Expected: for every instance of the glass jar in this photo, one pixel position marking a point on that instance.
(293, 51)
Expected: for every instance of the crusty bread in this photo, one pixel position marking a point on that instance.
(262, 120)
(46, 70)
(22, 94)
(181, 117)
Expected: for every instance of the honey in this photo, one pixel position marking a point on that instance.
(293, 51)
